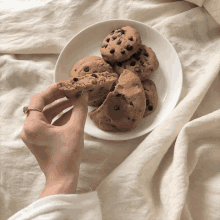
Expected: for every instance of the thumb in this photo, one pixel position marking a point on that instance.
(79, 112)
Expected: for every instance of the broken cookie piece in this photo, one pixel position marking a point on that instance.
(98, 86)
(123, 108)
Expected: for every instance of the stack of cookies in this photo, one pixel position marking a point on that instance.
(119, 83)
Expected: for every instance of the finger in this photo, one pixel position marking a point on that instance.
(40, 100)
(52, 111)
(79, 113)
(63, 119)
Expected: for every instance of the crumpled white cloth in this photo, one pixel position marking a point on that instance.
(212, 6)
(170, 174)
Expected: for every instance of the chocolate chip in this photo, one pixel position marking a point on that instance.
(128, 118)
(133, 120)
(94, 75)
(137, 69)
(119, 42)
(116, 107)
(91, 90)
(122, 51)
(130, 38)
(119, 64)
(86, 69)
(117, 94)
(137, 58)
(112, 50)
(150, 108)
(95, 71)
(131, 103)
(121, 30)
(141, 62)
(146, 54)
(151, 69)
(104, 45)
(123, 97)
(129, 47)
(114, 37)
(138, 54)
(112, 32)
(75, 79)
(147, 102)
(107, 39)
(75, 69)
(133, 63)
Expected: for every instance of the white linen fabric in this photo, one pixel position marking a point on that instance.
(171, 173)
(212, 6)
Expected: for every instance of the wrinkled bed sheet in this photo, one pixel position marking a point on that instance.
(169, 174)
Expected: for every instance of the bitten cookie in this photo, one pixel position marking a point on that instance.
(151, 96)
(98, 86)
(123, 108)
(143, 63)
(120, 44)
(89, 65)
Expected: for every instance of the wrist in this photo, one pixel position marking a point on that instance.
(64, 185)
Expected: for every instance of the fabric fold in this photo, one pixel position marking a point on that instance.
(55, 207)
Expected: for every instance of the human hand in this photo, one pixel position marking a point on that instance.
(58, 146)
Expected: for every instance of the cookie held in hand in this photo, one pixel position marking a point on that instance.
(143, 63)
(120, 44)
(98, 85)
(123, 108)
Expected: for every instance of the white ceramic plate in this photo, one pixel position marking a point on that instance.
(168, 77)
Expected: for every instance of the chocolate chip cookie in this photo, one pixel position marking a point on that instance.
(120, 44)
(151, 96)
(98, 86)
(89, 65)
(144, 62)
(123, 108)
